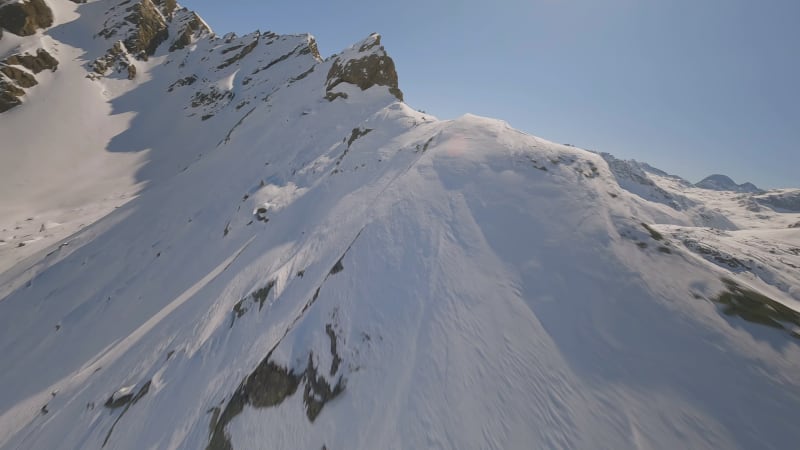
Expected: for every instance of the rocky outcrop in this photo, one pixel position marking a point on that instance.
(312, 49)
(9, 95)
(270, 384)
(18, 74)
(24, 18)
(192, 29)
(167, 7)
(20, 77)
(185, 81)
(150, 29)
(370, 66)
(35, 63)
(116, 60)
(237, 57)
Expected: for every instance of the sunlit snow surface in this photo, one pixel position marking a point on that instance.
(484, 288)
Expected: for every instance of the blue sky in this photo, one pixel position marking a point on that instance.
(693, 87)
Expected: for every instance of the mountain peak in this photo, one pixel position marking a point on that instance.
(719, 182)
(365, 64)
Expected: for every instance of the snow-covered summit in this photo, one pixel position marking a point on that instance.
(228, 242)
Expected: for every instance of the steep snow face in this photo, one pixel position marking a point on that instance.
(300, 260)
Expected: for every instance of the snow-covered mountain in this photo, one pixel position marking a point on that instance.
(234, 243)
(718, 182)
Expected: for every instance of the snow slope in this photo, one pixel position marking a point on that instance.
(303, 261)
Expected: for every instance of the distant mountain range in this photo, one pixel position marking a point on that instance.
(724, 183)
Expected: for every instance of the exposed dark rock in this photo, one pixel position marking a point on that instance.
(318, 391)
(41, 61)
(24, 18)
(151, 29)
(9, 95)
(236, 58)
(261, 214)
(213, 96)
(131, 71)
(167, 7)
(357, 133)
(193, 28)
(118, 402)
(186, 81)
(231, 49)
(375, 68)
(270, 384)
(338, 267)
(302, 75)
(22, 78)
(302, 49)
(311, 49)
(267, 387)
(757, 308)
(331, 96)
(592, 171)
(428, 143)
(716, 256)
(117, 60)
(260, 295)
(653, 233)
(127, 401)
(239, 309)
(334, 352)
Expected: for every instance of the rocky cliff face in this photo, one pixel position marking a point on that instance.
(191, 29)
(150, 29)
(367, 66)
(18, 72)
(23, 18)
(135, 31)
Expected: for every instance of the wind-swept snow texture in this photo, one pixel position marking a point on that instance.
(246, 246)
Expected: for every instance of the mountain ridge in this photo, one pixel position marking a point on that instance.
(278, 252)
